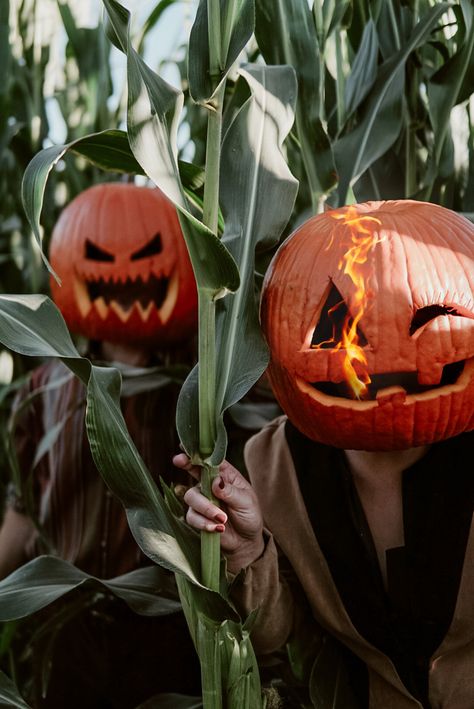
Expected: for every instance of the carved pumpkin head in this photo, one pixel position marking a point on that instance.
(369, 315)
(126, 275)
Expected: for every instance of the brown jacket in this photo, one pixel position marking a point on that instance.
(272, 473)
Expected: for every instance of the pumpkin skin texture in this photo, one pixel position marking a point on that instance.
(416, 331)
(126, 275)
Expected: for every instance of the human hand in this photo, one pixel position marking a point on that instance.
(239, 520)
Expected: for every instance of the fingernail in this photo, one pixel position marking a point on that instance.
(220, 528)
(220, 517)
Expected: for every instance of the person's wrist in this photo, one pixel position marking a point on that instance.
(245, 554)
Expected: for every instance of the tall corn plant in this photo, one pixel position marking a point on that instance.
(245, 173)
(378, 82)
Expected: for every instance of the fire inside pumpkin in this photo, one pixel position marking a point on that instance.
(125, 271)
(369, 315)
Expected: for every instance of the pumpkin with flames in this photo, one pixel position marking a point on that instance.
(369, 315)
(126, 275)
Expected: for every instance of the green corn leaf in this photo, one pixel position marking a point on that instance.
(9, 695)
(108, 149)
(154, 108)
(444, 88)
(151, 21)
(232, 32)
(32, 325)
(259, 178)
(382, 115)
(364, 69)
(42, 581)
(286, 34)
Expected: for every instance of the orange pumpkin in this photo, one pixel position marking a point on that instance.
(369, 315)
(126, 275)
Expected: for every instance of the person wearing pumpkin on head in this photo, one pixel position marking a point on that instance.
(361, 498)
(128, 287)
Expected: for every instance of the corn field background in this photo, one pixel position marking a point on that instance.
(374, 100)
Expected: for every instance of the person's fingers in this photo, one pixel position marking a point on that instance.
(240, 499)
(182, 461)
(201, 523)
(204, 507)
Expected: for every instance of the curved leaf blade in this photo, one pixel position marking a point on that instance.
(286, 34)
(154, 108)
(108, 149)
(45, 579)
(382, 116)
(258, 178)
(236, 27)
(32, 324)
(9, 694)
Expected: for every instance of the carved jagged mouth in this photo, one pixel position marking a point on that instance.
(126, 294)
(408, 381)
(143, 297)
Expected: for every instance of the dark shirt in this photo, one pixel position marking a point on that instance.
(409, 620)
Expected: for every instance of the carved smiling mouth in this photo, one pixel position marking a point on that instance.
(126, 294)
(407, 381)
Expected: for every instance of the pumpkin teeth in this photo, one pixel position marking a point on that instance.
(101, 307)
(82, 298)
(153, 291)
(144, 312)
(170, 301)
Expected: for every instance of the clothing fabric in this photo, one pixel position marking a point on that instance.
(416, 639)
(79, 518)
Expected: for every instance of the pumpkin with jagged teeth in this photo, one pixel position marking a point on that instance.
(125, 271)
(375, 351)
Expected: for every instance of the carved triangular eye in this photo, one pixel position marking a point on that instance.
(94, 253)
(334, 314)
(153, 247)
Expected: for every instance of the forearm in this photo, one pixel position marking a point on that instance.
(261, 586)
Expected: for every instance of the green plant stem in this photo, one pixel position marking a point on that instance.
(340, 81)
(210, 542)
(215, 39)
(213, 158)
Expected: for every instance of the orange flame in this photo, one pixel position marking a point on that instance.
(363, 241)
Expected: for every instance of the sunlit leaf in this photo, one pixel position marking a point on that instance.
(445, 86)
(154, 109)
(249, 185)
(286, 34)
(381, 117)
(108, 150)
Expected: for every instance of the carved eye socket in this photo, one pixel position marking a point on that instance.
(334, 314)
(430, 312)
(94, 253)
(155, 246)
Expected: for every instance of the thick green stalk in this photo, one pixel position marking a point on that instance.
(213, 158)
(210, 543)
